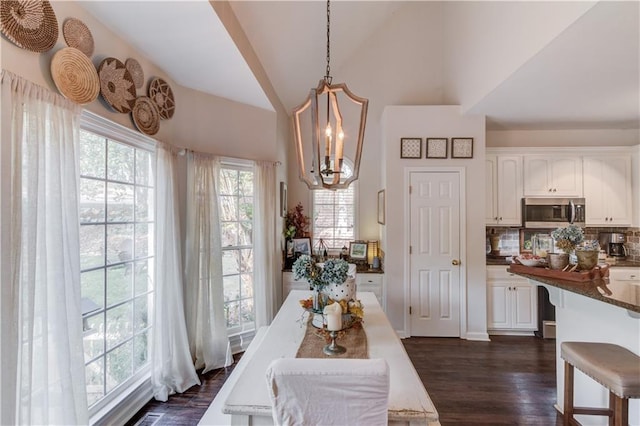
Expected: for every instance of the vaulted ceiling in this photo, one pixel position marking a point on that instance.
(525, 65)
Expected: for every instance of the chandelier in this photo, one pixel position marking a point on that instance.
(330, 130)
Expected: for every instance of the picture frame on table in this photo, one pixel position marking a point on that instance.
(437, 147)
(358, 250)
(283, 199)
(461, 147)
(410, 147)
(301, 246)
(381, 207)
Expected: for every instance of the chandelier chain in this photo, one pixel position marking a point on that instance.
(328, 77)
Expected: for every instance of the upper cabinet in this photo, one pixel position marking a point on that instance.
(607, 190)
(552, 176)
(504, 190)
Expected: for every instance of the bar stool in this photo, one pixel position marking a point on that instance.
(613, 366)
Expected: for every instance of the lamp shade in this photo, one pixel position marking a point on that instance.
(372, 251)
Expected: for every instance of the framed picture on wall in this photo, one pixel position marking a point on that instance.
(381, 207)
(283, 199)
(411, 148)
(437, 147)
(461, 147)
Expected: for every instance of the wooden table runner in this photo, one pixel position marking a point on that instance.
(353, 338)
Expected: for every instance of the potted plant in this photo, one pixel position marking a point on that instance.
(319, 276)
(566, 239)
(587, 254)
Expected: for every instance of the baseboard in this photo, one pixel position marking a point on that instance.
(401, 334)
(483, 337)
(511, 333)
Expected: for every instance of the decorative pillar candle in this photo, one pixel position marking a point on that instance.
(333, 313)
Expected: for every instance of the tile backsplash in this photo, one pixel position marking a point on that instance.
(510, 239)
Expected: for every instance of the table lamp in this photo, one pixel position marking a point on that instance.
(372, 254)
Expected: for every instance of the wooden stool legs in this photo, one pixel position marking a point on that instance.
(618, 411)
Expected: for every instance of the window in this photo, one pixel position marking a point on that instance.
(334, 214)
(236, 221)
(117, 211)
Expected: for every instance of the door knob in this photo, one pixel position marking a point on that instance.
(455, 262)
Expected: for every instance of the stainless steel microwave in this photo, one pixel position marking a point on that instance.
(552, 212)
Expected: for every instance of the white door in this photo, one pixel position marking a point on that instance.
(435, 250)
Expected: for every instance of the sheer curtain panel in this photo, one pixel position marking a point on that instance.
(172, 368)
(264, 241)
(43, 375)
(204, 297)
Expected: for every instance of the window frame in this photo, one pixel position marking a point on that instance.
(356, 203)
(102, 127)
(246, 166)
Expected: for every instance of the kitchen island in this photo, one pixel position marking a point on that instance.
(602, 310)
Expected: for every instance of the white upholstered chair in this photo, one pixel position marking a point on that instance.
(310, 392)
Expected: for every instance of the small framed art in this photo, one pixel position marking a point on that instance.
(358, 250)
(411, 148)
(381, 207)
(283, 199)
(437, 147)
(301, 246)
(461, 147)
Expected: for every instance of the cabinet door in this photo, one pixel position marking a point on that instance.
(552, 176)
(524, 313)
(491, 190)
(498, 305)
(566, 176)
(509, 192)
(607, 189)
(537, 175)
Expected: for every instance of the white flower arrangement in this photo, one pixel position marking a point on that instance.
(568, 238)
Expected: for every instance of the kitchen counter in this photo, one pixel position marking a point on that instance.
(625, 294)
(619, 263)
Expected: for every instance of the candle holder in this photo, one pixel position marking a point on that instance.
(332, 348)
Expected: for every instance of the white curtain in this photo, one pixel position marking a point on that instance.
(204, 297)
(42, 344)
(172, 368)
(264, 242)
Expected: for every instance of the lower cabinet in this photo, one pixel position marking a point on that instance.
(511, 303)
(373, 282)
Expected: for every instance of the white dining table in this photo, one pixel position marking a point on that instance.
(247, 401)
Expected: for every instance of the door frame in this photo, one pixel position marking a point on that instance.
(461, 171)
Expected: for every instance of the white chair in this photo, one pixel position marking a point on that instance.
(310, 392)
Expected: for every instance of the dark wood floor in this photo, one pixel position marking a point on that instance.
(508, 381)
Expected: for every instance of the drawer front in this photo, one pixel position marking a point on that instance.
(500, 273)
(362, 279)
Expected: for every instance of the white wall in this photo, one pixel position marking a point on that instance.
(478, 56)
(434, 121)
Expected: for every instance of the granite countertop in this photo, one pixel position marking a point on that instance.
(492, 261)
(625, 294)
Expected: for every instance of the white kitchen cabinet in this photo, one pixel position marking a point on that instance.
(290, 283)
(373, 282)
(607, 190)
(503, 190)
(552, 176)
(621, 273)
(511, 303)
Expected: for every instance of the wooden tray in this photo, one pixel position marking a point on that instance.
(581, 276)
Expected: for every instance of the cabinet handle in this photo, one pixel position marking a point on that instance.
(550, 189)
(554, 190)
(500, 218)
(495, 218)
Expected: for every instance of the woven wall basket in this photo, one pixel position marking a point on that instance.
(29, 24)
(145, 116)
(135, 69)
(116, 85)
(75, 76)
(160, 92)
(77, 35)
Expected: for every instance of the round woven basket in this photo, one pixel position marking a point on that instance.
(135, 69)
(145, 116)
(160, 92)
(75, 76)
(77, 35)
(116, 85)
(30, 25)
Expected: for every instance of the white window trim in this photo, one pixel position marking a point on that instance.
(130, 396)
